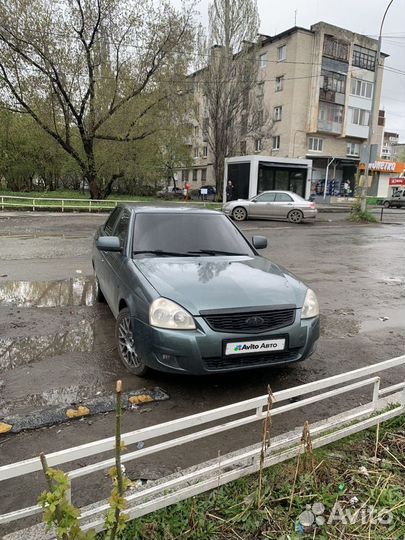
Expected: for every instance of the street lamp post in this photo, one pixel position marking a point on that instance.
(372, 114)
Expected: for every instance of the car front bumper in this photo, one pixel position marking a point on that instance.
(201, 351)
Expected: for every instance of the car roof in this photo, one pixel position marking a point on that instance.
(278, 191)
(153, 209)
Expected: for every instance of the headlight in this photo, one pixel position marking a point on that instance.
(164, 313)
(311, 307)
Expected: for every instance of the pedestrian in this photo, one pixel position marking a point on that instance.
(186, 191)
(230, 191)
(346, 188)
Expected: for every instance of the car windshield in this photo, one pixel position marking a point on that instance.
(175, 234)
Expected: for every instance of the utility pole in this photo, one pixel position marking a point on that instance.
(374, 104)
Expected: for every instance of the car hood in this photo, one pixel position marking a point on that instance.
(217, 282)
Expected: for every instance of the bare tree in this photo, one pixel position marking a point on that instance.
(234, 107)
(92, 72)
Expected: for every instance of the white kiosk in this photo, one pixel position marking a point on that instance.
(251, 175)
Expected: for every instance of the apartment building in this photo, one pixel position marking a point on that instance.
(391, 148)
(317, 85)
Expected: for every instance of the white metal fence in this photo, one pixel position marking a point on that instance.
(246, 461)
(85, 205)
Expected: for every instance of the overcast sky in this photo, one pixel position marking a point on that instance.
(362, 16)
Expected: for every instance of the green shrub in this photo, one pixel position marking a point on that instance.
(358, 216)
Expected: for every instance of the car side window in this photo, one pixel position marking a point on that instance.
(111, 221)
(265, 197)
(121, 229)
(283, 197)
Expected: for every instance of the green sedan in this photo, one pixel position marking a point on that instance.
(191, 294)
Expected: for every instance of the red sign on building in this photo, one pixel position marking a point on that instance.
(397, 182)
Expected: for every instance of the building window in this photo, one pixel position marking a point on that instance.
(195, 152)
(335, 48)
(203, 175)
(260, 118)
(282, 53)
(361, 88)
(195, 173)
(279, 83)
(205, 129)
(360, 117)
(363, 58)
(260, 90)
(258, 145)
(330, 117)
(334, 82)
(205, 151)
(353, 149)
(184, 175)
(263, 60)
(243, 147)
(196, 130)
(315, 144)
(276, 143)
(277, 113)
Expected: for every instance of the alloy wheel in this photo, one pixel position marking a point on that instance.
(295, 216)
(239, 214)
(127, 345)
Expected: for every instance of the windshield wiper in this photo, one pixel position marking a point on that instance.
(217, 252)
(162, 253)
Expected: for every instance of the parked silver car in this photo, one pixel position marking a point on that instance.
(272, 205)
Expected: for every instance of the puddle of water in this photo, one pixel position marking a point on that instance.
(22, 350)
(69, 292)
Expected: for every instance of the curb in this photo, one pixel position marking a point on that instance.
(59, 414)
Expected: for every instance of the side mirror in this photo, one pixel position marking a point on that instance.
(259, 242)
(109, 243)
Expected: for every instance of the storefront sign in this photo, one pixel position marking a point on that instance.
(397, 182)
(384, 166)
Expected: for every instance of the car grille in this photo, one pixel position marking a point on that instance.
(250, 361)
(252, 322)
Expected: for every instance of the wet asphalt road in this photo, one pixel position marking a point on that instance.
(57, 345)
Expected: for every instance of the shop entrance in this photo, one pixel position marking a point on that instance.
(239, 173)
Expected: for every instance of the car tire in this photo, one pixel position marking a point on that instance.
(295, 216)
(127, 352)
(239, 213)
(387, 204)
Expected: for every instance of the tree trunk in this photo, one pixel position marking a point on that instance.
(94, 188)
(219, 178)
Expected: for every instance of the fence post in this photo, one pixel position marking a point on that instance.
(2, 203)
(376, 392)
(63, 205)
(89, 205)
(33, 205)
(382, 211)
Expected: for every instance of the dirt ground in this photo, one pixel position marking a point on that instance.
(57, 344)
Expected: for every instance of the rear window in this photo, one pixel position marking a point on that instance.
(183, 233)
(283, 197)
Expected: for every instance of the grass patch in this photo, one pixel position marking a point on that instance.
(374, 201)
(365, 466)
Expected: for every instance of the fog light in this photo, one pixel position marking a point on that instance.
(169, 360)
